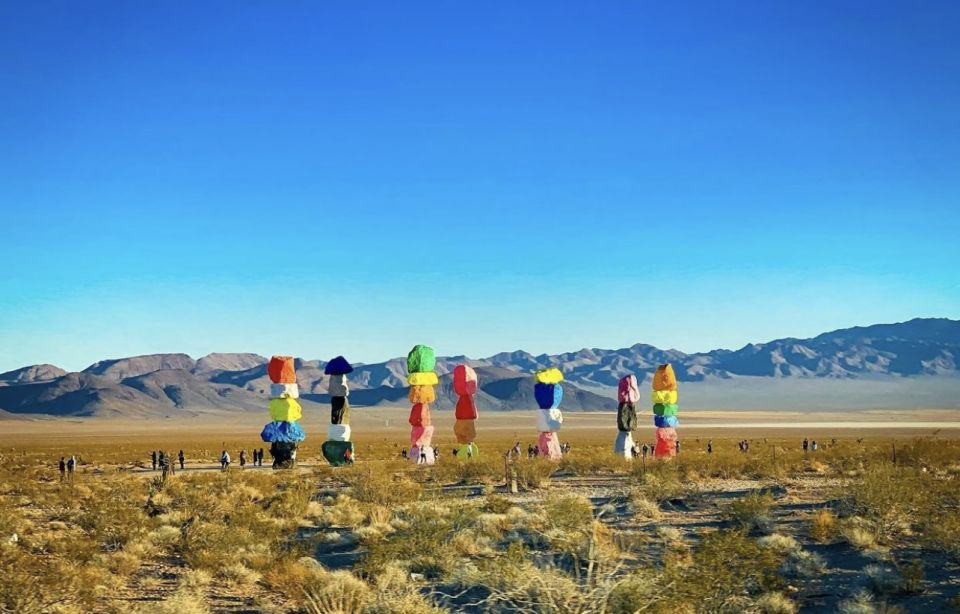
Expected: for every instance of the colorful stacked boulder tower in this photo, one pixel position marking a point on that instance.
(422, 380)
(284, 432)
(548, 392)
(465, 384)
(664, 397)
(338, 449)
(628, 393)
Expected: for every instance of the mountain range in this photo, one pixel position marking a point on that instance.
(884, 364)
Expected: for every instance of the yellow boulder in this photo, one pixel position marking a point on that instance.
(285, 410)
(665, 397)
(426, 378)
(548, 376)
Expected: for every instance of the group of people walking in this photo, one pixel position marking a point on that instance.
(67, 467)
(257, 458)
(161, 460)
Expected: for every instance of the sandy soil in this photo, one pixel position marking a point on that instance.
(390, 425)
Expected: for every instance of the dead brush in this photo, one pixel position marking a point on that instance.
(371, 486)
(751, 512)
(943, 533)
(823, 526)
(889, 499)
(727, 566)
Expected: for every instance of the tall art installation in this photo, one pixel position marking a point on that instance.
(283, 433)
(422, 380)
(628, 394)
(548, 393)
(338, 449)
(465, 385)
(664, 397)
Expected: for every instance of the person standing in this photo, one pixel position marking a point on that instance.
(63, 469)
(181, 457)
(813, 445)
(224, 460)
(710, 447)
(71, 465)
(243, 458)
(678, 446)
(153, 459)
(806, 445)
(164, 466)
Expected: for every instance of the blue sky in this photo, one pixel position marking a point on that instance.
(353, 178)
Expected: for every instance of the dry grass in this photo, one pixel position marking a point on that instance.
(824, 526)
(78, 546)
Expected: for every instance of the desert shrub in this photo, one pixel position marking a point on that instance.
(801, 564)
(635, 592)
(567, 513)
(781, 544)
(726, 566)
(661, 483)
(913, 578)
(497, 504)
(533, 473)
(858, 533)
(594, 461)
(238, 573)
(344, 512)
(371, 486)
(422, 539)
(823, 525)
(942, 532)
(889, 499)
(184, 601)
(329, 592)
(642, 507)
(862, 602)
(775, 603)
(750, 512)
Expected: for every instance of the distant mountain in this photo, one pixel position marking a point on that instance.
(122, 368)
(31, 374)
(228, 362)
(174, 384)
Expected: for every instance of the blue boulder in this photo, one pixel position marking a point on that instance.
(338, 366)
(283, 432)
(663, 422)
(548, 396)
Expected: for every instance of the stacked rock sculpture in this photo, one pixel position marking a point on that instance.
(628, 393)
(338, 449)
(283, 433)
(548, 393)
(465, 384)
(422, 380)
(664, 397)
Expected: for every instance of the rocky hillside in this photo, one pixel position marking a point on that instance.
(174, 384)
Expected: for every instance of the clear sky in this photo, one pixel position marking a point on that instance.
(325, 178)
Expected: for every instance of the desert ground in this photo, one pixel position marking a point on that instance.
(868, 523)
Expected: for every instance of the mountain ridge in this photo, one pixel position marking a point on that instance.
(170, 384)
